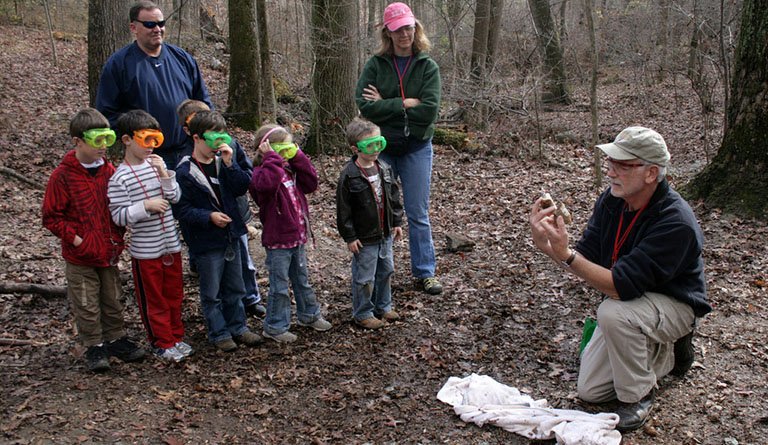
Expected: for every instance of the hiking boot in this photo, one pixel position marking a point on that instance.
(184, 348)
(285, 337)
(256, 310)
(248, 338)
(390, 316)
(226, 345)
(169, 354)
(432, 286)
(320, 324)
(124, 349)
(96, 359)
(683, 355)
(634, 415)
(370, 323)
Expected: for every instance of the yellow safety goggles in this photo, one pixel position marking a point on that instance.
(285, 149)
(99, 137)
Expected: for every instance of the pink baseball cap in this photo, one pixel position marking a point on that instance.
(397, 15)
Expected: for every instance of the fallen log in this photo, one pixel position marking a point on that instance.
(14, 174)
(32, 288)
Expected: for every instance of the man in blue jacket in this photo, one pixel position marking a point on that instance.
(153, 76)
(642, 248)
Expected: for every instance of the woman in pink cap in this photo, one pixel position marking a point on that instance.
(399, 90)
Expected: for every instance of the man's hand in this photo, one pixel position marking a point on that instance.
(226, 154)
(158, 164)
(548, 232)
(156, 205)
(398, 232)
(355, 246)
(220, 219)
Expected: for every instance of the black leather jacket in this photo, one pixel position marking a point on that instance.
(357, 215)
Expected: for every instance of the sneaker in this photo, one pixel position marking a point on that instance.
(432, 286)
(96, 359)
(169, 354)
(683, 355)
(248, 338)
(390, 316)
(321, 324)
(285, 337)
(125, 350)
(184, 348)
(256, 310)
(370, 323)
(226, 345)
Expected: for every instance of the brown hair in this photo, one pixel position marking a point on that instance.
(358, 128)
(420, 41)
(206, 121)
(188, 107)
(86, 119)
(137, 7)
(134, 120)
(279, 135)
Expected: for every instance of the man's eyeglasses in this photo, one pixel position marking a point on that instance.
(622, 167)
(149, 24)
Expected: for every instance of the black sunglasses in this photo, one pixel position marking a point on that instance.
(150, 24)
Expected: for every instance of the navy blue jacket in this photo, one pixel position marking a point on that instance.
(662, 254)
(198, 201)
(133, 80)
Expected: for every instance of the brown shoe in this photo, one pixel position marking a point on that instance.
(248, 338)
(390, 316)
(226, 345)
(370, 323)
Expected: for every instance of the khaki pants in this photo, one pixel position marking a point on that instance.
(632, 347)
(94, 295)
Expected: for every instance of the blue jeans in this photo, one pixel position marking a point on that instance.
(372, 269)
(252, 295)
(221, 293)
(286, 265)
(415, 172)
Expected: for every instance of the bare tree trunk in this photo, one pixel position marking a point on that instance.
(597, 165)
(494, 25)
(335, 74)
(50, 33)
(107, 32)
(553, 54)
(268, 103)
(480, 39)
(662, 39)
(244, 85)
(736, 180)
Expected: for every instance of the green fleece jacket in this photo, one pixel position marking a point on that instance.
(421, 81)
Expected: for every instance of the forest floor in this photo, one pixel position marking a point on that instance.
(507, 311)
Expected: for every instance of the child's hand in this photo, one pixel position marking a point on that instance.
(156, 205)
(226, 154)
(355, 246)
(398, 231)
(265, 148)
(220, 219)
(77, 241)
(159, 165)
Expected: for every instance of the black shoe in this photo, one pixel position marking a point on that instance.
(256, 310)
(634, 415)
(97, 359)
(125, 350)
(683, 355)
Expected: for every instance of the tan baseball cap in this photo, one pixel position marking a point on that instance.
(638, 143)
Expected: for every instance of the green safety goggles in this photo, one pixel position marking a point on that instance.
(285, 149)
(99, 137)
(216, 139)
(372, 145)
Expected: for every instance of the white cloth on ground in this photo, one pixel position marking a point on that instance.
(481, 399)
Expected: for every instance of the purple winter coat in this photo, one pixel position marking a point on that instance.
(281, 224)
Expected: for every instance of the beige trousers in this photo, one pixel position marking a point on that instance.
(632, 347)
(94, 296)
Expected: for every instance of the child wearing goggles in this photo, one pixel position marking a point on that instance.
(369, 214)
(140, 196)
(281, 179)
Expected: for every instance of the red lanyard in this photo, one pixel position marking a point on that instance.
(622, 238)
(401, 75)
(162, 217)
(379, 201)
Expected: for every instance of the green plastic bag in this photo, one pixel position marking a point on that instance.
(589, 328)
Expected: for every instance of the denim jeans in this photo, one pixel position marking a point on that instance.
(286, 265)
(252, 295)
(415, 172)
(372, 269)
(221, 293)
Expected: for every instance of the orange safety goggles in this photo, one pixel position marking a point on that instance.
(148, 138)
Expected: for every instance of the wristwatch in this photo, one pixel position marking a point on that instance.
(567, 263)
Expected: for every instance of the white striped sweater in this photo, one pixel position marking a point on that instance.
(151, 235)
